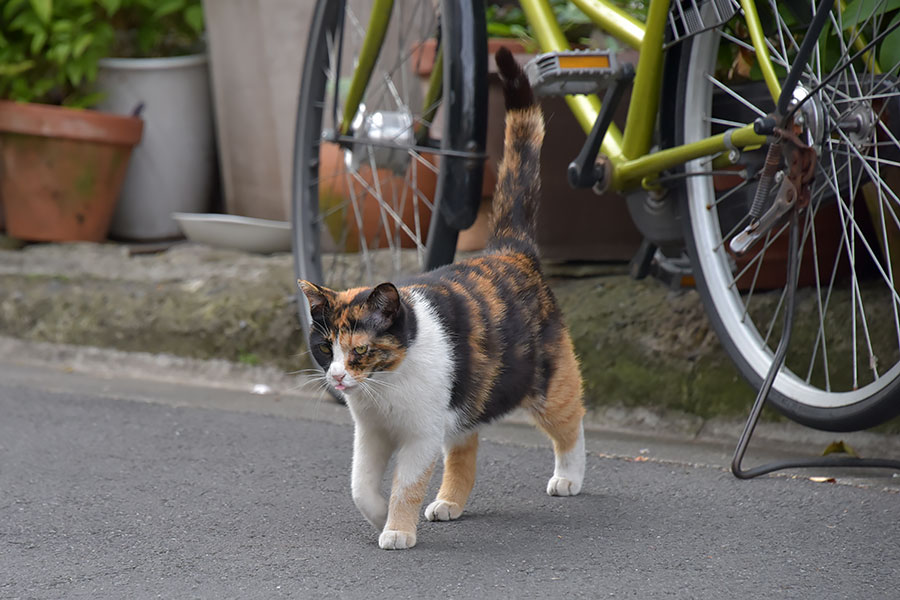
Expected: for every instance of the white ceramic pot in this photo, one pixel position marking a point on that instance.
(173, 168)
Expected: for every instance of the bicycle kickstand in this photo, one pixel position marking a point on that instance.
(777, 363)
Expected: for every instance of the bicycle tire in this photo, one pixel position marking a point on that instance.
(352, 197)
(841, 374)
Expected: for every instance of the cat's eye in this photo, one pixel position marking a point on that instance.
(360, 350)
(325, 348)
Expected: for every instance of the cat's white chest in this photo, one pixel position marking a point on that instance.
(413, 399)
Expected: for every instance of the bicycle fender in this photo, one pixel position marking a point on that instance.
(465, 106)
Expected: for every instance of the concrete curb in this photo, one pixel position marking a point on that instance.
(649, 358)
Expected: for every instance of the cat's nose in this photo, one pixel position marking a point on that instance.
(338, 377)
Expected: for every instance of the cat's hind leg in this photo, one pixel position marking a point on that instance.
(560, 416)
(456, 485)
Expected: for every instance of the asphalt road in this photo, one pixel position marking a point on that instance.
(123, 489)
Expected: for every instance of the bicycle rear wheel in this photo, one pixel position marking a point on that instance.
(370, 202)
(843, 367)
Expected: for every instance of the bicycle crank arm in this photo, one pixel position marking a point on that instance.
(759, 228)
(583, 172)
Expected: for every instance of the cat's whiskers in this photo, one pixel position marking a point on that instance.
(319, 328)
(317, 378)
(311, 375)
(301, 353)
(303, 371)
(320, 394)
(387, 385)
(376, 375)
(310, 372)
(364, 386)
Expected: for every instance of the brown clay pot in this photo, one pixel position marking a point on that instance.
(61, 170)
(336, 191)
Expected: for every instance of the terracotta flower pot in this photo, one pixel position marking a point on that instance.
(61, 170)
(335, 191)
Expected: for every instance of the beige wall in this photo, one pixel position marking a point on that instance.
(256, 49)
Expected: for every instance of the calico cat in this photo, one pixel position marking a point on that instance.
(424, 363)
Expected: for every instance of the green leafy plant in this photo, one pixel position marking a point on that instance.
(860, 21)
(49, 51)
(506, 19)
(248, 358)
(154, 28)
(857, 17)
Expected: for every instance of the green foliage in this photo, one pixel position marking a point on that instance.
(248, 358)
(857, 23)
(152, 28)
(890, 48)
(49, 49)
(859, 12)
(507, 20)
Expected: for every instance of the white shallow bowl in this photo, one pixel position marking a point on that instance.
(238, 233)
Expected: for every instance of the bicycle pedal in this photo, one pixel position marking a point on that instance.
(570, 72)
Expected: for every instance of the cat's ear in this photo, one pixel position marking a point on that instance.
(319, 297)
(384, 304)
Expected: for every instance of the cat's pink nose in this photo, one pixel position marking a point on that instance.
(339, 381)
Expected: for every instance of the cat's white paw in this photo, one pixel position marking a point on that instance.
(560, 486)
(396, 540)
(441, 510)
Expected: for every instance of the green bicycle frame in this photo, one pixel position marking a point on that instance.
(629, 152)
(368, 55)
(375, 33)
(633, 163)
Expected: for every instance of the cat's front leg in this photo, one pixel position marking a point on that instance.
(372, 449)
(415, 462)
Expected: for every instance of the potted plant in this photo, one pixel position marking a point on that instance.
(61, 166)
(158, 63)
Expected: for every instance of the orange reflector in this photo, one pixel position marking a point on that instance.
(584, 62)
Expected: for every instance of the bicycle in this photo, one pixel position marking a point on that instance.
(697, 147)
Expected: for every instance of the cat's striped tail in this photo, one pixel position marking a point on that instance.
(519, 178)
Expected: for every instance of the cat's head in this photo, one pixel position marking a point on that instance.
(358, 332)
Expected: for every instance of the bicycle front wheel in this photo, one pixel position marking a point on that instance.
(843, 367)
(370, 173)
